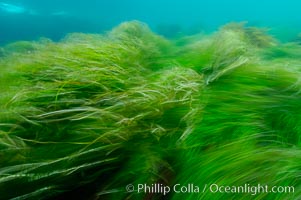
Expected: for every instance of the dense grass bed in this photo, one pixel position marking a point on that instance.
(84, 117)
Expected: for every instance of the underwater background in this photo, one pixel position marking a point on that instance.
(151, 100)
(54, 19)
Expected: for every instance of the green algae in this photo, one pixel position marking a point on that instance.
(86, 116)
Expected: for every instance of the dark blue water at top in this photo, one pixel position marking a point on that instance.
(31, 19)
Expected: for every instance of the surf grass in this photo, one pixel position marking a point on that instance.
(86, 116)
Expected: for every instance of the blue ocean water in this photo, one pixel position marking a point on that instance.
(31, 19)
